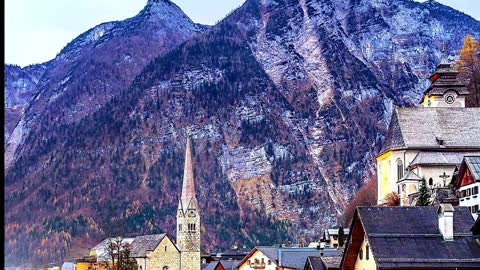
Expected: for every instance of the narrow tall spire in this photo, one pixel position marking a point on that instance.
(188, 187)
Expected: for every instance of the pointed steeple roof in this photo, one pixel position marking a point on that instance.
(188, 187)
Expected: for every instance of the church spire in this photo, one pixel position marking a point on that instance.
(188, 187)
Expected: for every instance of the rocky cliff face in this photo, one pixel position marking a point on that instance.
(287, 102)
(20, 88)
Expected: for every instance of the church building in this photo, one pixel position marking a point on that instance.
(430, 141)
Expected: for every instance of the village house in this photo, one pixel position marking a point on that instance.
(431, 237)
(467, 184)
(331, 237)
(428, 142)
(285, 258)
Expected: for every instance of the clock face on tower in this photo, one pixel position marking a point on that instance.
(449, 98)
(191, 213)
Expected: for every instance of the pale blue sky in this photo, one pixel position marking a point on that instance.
(36, 30)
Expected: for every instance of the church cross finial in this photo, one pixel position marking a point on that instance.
(444, 176)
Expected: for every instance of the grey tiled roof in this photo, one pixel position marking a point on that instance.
(297, 257)
(424, 128)
(473, 163)
(332, 262)
(316, 263)
(410, 236)
(211, 265)
(411, 220)
(145, 243)
(270, 252)
(440, 158)
(325, 262)
(230, 265)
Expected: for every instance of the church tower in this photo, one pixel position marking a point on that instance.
(188, 218)
(445, 89)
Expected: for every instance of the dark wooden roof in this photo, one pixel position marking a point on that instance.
(409, 237)
(314, 263)
(445, 79)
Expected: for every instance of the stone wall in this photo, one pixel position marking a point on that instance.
(165, 255)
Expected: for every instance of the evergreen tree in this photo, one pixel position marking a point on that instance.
(424, 198)
(341, 237)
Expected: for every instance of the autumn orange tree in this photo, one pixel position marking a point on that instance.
(366, 196)
(392, 199)
(468, 64)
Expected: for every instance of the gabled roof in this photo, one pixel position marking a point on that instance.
(211, 266)
(315, 263)
(145, 243)
(102, 248)
(296, 257)
(409, 237)
(473, 163)
(324, 262)
(331, 262)
(410, 175)
(440, 158)
(230, 264)
(269, 252)
(433, 128)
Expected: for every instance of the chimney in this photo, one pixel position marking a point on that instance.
(445, 220)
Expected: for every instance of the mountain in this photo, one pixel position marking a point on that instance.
(19, 91)
(96, 65)
(287, 102)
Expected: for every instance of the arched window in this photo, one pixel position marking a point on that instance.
(367, 253)
(399, 169)
(360, 254)
(165, 248)
(165, 268)
(430, 182)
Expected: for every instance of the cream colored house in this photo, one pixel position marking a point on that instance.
(260, 258)
(428, 142)
(331, 237)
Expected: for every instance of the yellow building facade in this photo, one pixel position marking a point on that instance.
(365, 259)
